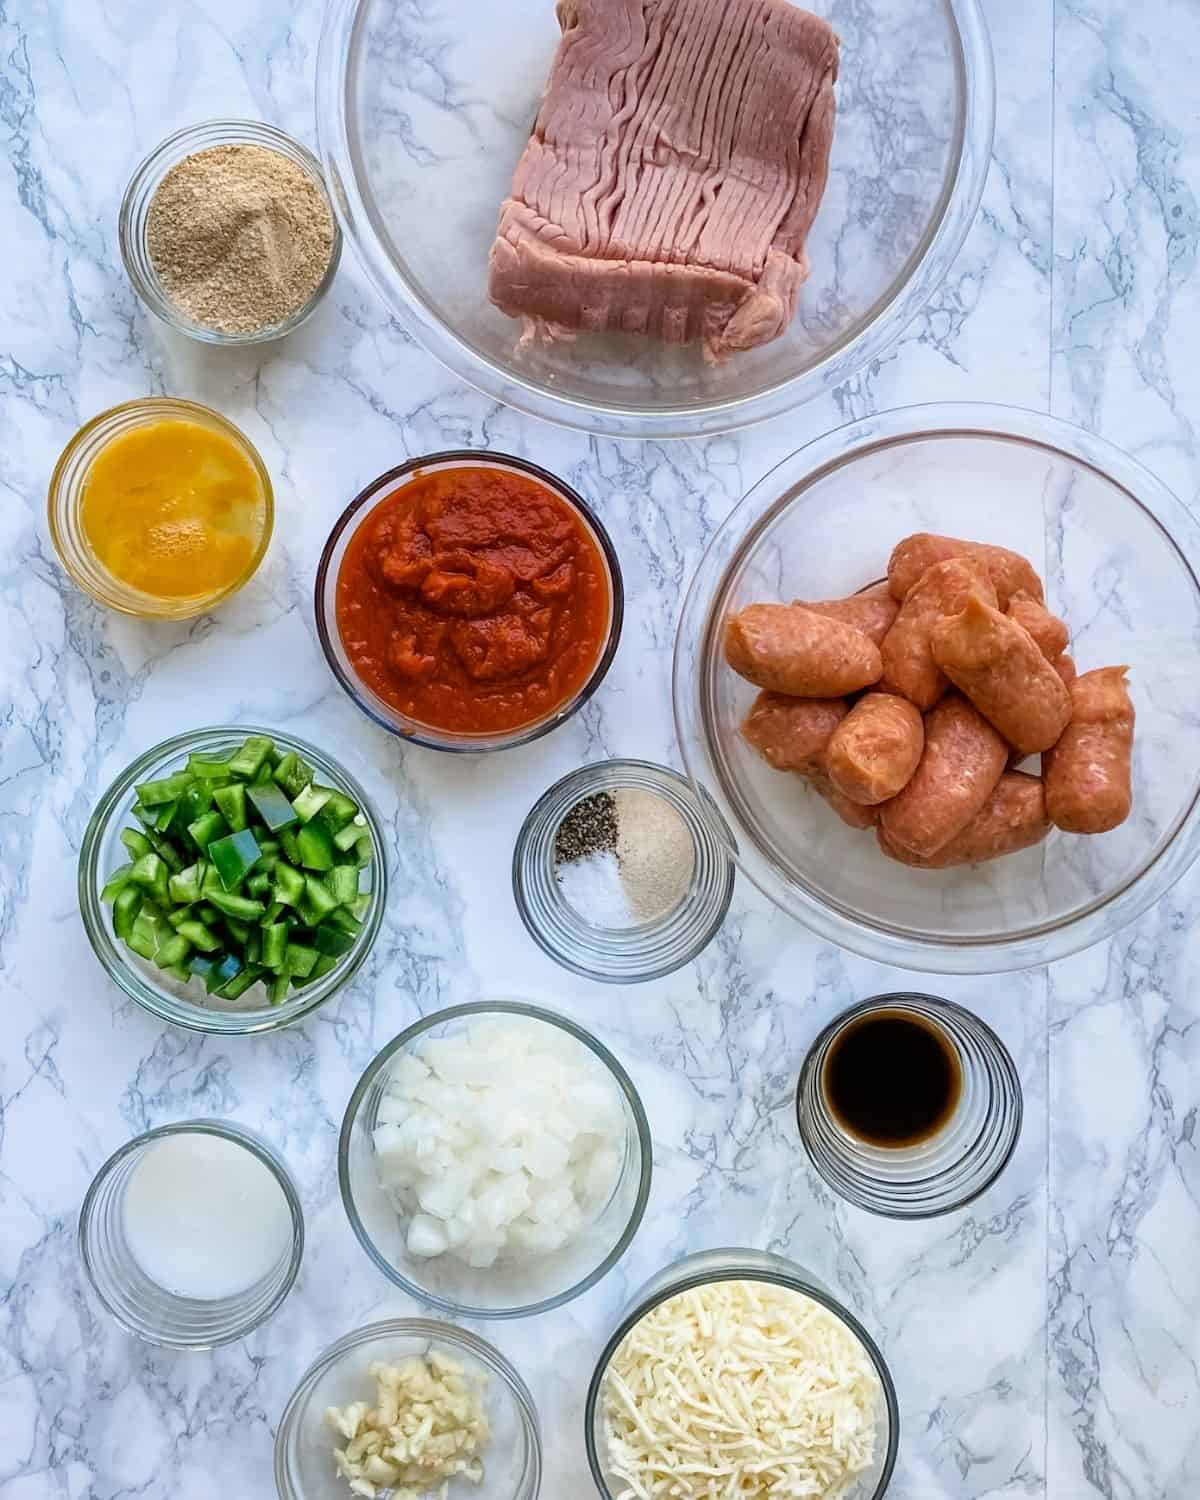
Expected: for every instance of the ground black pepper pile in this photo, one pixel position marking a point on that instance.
(589, 828)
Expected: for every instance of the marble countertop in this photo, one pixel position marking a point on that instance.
(1045, 1342)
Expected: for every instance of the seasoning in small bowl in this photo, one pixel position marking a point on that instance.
(228, 234)
(620, 873)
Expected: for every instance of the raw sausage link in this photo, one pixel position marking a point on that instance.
(997, 664)
(874, 751)
(872, 611)
(1089, 773)
(963, 760)
(1013, 818)
(1050, 633)
(851, 813)
(791, 733)
(908, 665)
(786, 649)
(1009, 571)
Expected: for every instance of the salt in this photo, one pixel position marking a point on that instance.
(593, 886)
(204, 1217)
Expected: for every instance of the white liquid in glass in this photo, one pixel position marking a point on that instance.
(203, 1217)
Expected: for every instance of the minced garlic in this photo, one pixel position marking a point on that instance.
(428, 1426)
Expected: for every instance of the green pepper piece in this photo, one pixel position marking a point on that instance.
(272, 806)
(204, 968)
(141, 943)
(275, 912)
(166, 816)
(150, 873)
(289, 885)
(193, 804)
(293, 773)
(125, 909)
(166, 789)
(342, 920)
(247, 762)
(332, 940)
(173, 951)
(211, 768)
(231, 800)
(199, 936)
(342, 883)
(279, 988)
(180, 914)
(346, 838)
(300, 960)
(274, 945)
(168, 851)
(258, 884)
(311, 800)
(253, 953)
(207, 914)
(265, 775)
(233, 857)
(290, 845)
(238, 930)
(116, 882)
(186, 886)
(318, 899)
(228, 968)
(361, 905)
(338, 811)
(207, 827)
(236, 987)
(315, 843)
(136, 843)
(240, 908)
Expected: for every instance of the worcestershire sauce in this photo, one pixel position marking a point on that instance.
(892, 1079)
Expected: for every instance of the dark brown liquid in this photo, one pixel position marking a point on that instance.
(892, 1079)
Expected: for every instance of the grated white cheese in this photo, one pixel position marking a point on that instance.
(740, 1390)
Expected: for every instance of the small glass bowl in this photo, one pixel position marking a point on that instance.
(955, 1165)
(135, 209)
(304, 1467)
(622, 955)
(360, 511)
(101, 852)
(65, 503)
(141, 1305)
(702, 1269)
(512, 1290)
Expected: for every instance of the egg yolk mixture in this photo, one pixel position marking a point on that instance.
(174, 509)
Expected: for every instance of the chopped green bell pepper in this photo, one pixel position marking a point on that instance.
(272, 806)
(233, 857)
(249, 759)
(231, 801)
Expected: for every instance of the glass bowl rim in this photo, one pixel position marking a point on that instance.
(793, 1280)
(784, 486)
(528, 1011)
(186, 1014)
(436, 1331)
(140, 410)
(224, 130)
(958, 204)
(358, 512)
(224, 1130)
(584, 778)
(961, 1014)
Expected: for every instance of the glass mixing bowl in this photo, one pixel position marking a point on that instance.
(1119, 555)
(304, 1443)
(423, 113)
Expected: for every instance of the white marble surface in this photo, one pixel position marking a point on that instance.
(1046, 1341)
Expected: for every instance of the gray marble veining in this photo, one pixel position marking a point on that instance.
(1046, 1341)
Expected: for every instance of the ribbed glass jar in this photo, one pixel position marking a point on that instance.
(142, 1305)
(958, 1162)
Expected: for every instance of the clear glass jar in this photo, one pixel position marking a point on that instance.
(733, 1264)
(950, 1169)
(626, 954)
(304, 1444)
(140, 1304)
(65, 501)
(359, 512)
(188, 1005)
(135, 209)
(516, 1288)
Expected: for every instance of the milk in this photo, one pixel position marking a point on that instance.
(203, 1217)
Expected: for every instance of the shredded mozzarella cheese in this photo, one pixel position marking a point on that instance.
(740, 1390)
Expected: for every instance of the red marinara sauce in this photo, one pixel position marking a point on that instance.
(473, 600)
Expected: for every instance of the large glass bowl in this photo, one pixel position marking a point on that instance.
(304, 1443)
(1120, 557)
(512, 1288)
(169, 999)
(703, 1269)
(423, 113)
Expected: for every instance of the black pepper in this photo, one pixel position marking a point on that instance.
(590, 827)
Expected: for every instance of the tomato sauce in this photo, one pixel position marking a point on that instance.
(473, 600)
